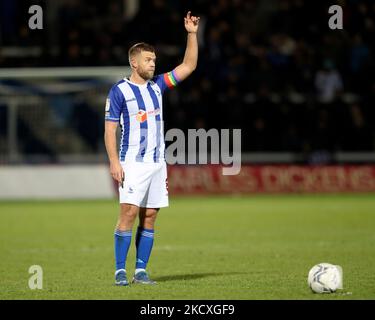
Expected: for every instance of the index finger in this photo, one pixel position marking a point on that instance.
(188, 15)
(118, 178)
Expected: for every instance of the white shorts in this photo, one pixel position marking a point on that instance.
(145, 184)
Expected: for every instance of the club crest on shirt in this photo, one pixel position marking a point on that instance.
(141, 116)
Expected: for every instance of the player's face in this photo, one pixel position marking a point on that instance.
(146, 64)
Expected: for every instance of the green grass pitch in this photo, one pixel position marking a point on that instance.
(255, 247)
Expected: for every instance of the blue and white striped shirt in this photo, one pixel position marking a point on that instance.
(139, 110)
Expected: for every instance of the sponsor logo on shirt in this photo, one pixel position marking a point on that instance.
(142, 115)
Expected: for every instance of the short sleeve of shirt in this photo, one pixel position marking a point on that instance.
(114, 104)
(167, 80)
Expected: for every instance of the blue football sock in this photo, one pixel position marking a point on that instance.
(122, 244)
(144, 242)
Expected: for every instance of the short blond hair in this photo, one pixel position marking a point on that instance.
(138, 48)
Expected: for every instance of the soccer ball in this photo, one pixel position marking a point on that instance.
(325, 278)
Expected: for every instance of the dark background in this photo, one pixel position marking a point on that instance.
(272, 68)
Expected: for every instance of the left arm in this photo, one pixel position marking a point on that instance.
(189, 63)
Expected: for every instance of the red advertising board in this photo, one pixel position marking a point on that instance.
(209, 179)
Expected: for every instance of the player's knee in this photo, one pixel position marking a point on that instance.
(128, 213)
(149, 218)
(151, 214)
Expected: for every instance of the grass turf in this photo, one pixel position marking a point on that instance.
(256, 247)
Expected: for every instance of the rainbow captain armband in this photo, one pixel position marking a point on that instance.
(170, 79)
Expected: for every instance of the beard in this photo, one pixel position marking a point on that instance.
(145, 75)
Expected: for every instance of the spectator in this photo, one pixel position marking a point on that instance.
(328, 82)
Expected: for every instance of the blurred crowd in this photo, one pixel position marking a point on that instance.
(272, 68)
